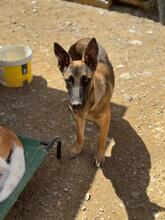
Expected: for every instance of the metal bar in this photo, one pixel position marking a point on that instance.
(49, 145)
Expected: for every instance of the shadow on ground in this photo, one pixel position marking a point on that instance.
(128, 169)
(59, 187)
(151, 13)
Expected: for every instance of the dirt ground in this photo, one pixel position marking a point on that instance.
(132, 183)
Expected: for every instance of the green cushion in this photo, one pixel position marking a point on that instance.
(34, 155)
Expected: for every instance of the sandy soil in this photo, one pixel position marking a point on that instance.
(132, 184)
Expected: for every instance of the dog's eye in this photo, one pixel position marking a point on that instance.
(85, 80)
(69, 81)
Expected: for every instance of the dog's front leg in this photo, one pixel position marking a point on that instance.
(103, 123)
(78, 146)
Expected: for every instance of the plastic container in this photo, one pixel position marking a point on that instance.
(15, 65)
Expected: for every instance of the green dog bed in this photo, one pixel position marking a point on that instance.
(35, 153)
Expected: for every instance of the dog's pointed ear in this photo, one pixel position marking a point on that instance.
(63, 57)
(91, 53)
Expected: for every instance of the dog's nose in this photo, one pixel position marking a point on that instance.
(77, 104)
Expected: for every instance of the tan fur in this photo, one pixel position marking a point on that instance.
(97, 107)
(88, 52)
(7, 138)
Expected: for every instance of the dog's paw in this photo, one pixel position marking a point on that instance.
(75, 151)
(99, 161)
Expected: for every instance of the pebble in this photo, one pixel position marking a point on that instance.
(145, 73)
(101, 210)
(129, 98)
(14, 22)
(150, 32)
(87, 197)
(126, 76)
(158, 129)
(34, 10)
(66, 189)
(135, 194)
(119, 66)
(121, 205)
(132, 30)
(84, 208)
(135, 42)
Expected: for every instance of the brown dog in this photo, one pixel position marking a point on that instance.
(89, 79)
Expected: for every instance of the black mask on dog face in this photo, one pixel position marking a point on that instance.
(78, 74)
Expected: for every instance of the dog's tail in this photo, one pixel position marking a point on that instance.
(16, 171)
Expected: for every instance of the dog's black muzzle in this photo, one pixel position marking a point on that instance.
(76, 98)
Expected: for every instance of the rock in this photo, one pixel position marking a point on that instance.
(131, 30)
(135, 42)
(84, 208)
(135, 194)
(14, 22)
(150, 32)
(129, 98)
(34, 10)
(145, 73)
(119, 66)
(87, 197)
(121, 205)
(159, 129)
(126, 76)
(23, 25)
(101, 210)
(66, 189)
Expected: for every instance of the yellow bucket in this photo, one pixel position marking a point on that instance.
(15, 65)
